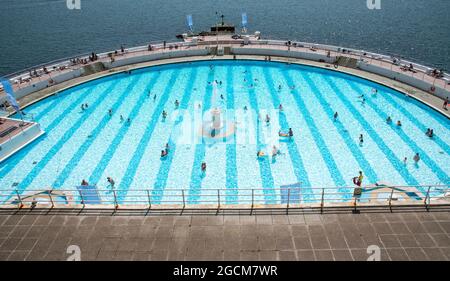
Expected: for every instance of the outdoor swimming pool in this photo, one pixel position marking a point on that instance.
(91, 144)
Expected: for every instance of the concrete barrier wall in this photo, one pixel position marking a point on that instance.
(281, 53)
(45, 83)
(18, 141)
(157, 56)
(407, 79)
(294, 53)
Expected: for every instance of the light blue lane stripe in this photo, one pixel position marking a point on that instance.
(109, 153)
(414, 120)
(264, 165)
(443, 177)
(67, 135)
(196, 175)
(164, 168)
(139, 151)
(76, 158)
(396, 163)
(356, 151)
(324, 151)
(296, 158)
(231, 169)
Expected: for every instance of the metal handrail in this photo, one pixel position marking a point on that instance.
(148, 198)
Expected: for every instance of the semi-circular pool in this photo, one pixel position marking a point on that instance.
(216, 122)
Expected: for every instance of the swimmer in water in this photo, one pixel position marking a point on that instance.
(110, 112)
(335, 116)
(177, 103)
(389, 120)
(121, 118)
(280, 107)
(399, 124)
(416, 158)
(274, 151)
(203, 167)
(361, 139)
(164, 114)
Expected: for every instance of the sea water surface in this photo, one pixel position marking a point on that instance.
(38, 31)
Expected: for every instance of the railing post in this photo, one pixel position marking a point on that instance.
(321, 201)
(427, 198)
(51, 199)
(184, 202)
(355, 210)
(289, 196)
(390, 199)
(82, 199)
(20, 199)
(149, 199)
(218, 198)
(253, 197)
(115, 200)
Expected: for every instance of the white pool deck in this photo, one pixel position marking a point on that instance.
(226, 41)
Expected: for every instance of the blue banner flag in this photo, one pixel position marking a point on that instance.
(189, 22)
(244, 20)
(10, 94)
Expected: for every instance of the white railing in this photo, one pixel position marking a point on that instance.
(34, 74)
(314, 197)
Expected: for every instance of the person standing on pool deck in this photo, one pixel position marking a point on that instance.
(358, 180)
(445, 104)
(111, 182)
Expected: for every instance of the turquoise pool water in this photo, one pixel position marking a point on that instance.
(92, 145)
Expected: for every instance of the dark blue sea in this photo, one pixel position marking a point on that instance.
(37, 31)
